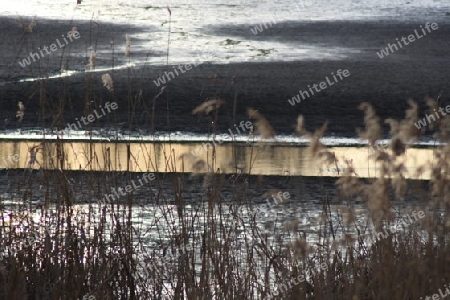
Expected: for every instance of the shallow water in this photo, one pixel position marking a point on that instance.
(193, 19)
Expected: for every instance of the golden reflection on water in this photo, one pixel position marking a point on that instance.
(257, 159)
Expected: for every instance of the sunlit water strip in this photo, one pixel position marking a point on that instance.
(290, 157)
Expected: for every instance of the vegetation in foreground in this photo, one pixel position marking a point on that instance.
(210, 249)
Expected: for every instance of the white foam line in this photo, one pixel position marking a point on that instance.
(114, 136)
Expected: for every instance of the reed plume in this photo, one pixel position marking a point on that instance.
(328, 157)
(92, 58)
(262, 125)
(21, 112)
(316, 146)
(442, 124)
(300, 128)
(29, 27)
(208, 106)
(372, 130)
(404, 131)
(21, 22)
(108, 82)
(72, 32)
(378, 202)
(408, 131)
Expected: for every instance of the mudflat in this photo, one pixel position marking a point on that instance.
(415, 71)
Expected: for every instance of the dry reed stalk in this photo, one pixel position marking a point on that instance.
(127, 45)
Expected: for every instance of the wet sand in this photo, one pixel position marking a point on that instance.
(418, 70)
